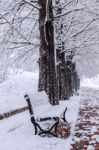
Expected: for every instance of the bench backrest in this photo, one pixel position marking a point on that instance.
(38, 98)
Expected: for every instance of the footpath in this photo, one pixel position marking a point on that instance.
(86, 135)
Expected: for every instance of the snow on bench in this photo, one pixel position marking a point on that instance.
(41, 110)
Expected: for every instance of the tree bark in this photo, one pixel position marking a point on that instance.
(47, 73)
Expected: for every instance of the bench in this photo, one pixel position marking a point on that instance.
(41, 111)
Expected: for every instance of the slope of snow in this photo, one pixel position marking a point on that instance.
(12, 90)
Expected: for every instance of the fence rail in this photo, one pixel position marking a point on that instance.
(13, 112)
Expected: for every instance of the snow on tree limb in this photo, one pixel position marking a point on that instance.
(31, 4)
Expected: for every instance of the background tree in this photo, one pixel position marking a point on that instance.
(20, 40)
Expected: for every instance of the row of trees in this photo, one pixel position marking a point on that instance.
(67, 29)
(58, 79)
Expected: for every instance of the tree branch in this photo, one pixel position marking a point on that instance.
(34, 1)
(1, 16)
(85, 27)
(24, 43)
(31, 4)
(58, 16)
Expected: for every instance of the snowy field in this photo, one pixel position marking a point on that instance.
(17, 132)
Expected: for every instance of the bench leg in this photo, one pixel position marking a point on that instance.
(63, 116)
(35, 125)
(56, 127)
(49, 131)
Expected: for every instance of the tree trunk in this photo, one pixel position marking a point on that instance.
(60, 56)
(47, 73)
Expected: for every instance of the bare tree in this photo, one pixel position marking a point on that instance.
(21, 40)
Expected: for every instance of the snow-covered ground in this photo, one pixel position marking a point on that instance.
(13, 89)
(17, 132)
(90, 82)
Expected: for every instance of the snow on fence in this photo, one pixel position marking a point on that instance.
(13, 112)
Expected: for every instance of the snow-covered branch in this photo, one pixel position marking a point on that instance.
(31, 4)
